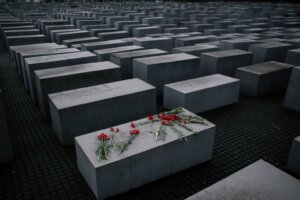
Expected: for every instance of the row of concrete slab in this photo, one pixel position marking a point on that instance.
(106, 67)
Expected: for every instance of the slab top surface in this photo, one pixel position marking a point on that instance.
(117, 49)
(75, 69)
(227, 53)
(267, 67)
(59, 57)
(145, 141)
(132, 54)
(201, 83)
(49, 51)
(96, 93)
(166, 58)
(259, 181)
(272, 45)
(196, 47)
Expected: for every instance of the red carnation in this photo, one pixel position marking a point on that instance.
(103, 137)
(151, 117)
(132, 125)
(134, 132)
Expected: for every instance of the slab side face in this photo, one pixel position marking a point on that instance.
(292, 96)
(145, 160)
(259, 181)
(294, 157)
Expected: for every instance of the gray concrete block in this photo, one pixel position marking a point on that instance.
(51, 61)
(161, 70)
(21, 32)
(294, 157)
(80, 111)
(292, 96)
(104, 54)
(131, 27)
(140, 161)
(188, 41)
(196, 50)
(224, 62)
(163, 43)
(273, 51)
(202, 94)
(70, 42)
(143, 31)
(40, 52)
(48, 29)
(72, 77)
(91, 46)
(293, 57)
(125, 59)
(259, 181)
(53, 33)
(264, 78)
(23, 40)
(237, 43)
(60, 37)
(96, 31)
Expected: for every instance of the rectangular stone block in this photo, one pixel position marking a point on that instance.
(224, 62)
(195, 50)
(293, 57)
(72, 77)
(104, 54)
(6, 150)
(140, 161)
(202, 94)
(294, 157)
(53, 33)
(238, 43)
(143, 31)
(264, 78)
(188, 41)
(21, 32)
(257, 180)
(125, 59)
(96, 31)
(161, 70)
(88, 109)
(113, 35)
(91, 46)
(60, 37)
(23, 40)
(51, 61)
(48, 29)
(70, 42)
(41, 52)
(273, 51)
(163, 43)
(130, 28)
(292, 96)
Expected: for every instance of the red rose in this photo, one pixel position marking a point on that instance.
(132, 125)
(134, 132)
(103, 137)
(111, 130)
(117, 130)
(185, 122)
(165, 122)
(151, 117)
